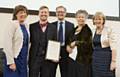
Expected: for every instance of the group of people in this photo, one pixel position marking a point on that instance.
(27, 45)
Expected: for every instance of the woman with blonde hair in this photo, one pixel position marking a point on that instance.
(104, 50)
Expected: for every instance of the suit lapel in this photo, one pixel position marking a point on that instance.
(48, 31)
(51, 32)
(56, 26)
(38, 31)
(66, 30)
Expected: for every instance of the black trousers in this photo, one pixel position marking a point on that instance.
(48, 68)
(1, 74)
(42, 69)
(64, 67)
(63, 63)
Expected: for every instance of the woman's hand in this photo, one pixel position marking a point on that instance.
(72, 45)
(113, 66)
(69, 49)
(12, 66)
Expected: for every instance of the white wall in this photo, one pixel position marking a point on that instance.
(109, 9)
(5, 17)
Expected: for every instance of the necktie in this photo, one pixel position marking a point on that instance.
(60, 33)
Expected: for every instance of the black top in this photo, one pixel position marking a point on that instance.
(97, 40)
(84, 45)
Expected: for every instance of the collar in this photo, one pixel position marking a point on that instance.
(61, 21)
(43, 25)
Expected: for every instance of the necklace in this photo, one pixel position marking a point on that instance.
(99, 31)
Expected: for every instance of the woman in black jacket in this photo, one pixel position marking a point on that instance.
(82, 38)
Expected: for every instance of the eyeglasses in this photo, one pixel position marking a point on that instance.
(60, 11)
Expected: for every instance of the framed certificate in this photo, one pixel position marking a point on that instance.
(53, 50)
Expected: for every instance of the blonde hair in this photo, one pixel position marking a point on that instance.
(43, 7)
(99, 14)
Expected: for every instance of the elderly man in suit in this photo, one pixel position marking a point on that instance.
(64, 32)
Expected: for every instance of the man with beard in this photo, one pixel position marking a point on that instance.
(40, 33)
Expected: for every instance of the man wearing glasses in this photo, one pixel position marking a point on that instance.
(64, 32)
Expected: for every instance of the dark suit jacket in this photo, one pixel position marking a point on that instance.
(69, 30)
(36, 49)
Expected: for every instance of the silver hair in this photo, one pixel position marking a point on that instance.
(82, 12)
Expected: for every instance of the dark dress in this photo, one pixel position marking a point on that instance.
(20, 61)
(101, 59)
(82, 66)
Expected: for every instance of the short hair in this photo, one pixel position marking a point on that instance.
(17, 9)
(81, 12)
(43, 7)
(61, 7)
(98, 14)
